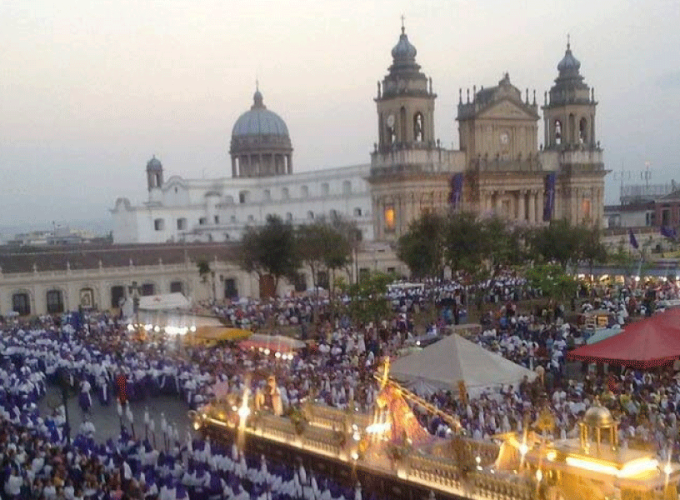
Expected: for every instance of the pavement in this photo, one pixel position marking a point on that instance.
(107, 422)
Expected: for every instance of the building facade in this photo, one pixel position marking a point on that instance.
(499, 169)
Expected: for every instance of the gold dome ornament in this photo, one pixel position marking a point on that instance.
(597, 419)
(598, 416)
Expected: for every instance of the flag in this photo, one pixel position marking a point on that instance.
(456, 190)
(632, 239)
(549, 205)
(668, 232)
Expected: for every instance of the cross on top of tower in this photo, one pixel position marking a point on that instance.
(568, 41)
(403, 29)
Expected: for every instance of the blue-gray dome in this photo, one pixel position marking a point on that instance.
(154, 164)
(259, 121)
(404, 50)
(568, 64)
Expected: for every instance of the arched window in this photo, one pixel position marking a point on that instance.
(285, 193)
(325, 189)
(267, 195)
(148, 289)
(304, 191)
(333, 214)
(55, 302)
(572, 129)
(558, 132)
(243, 197)
(181, 224)
(357, 212)
(202, 221)
(159, 224)
(233, 219)
(117, 296)
(390, 219)
(176, 287)
(418, 127)
(21, 303)
(347, 187)
(583, 131)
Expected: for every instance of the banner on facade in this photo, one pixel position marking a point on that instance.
(549, 206)
(456, 190)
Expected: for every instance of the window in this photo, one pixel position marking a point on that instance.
(202, 221)
(267, 195)
(233, 219)
(230, 288)
(181, 224)
(585, 209)
(583, 131)
(216, 219)
(322, 279)
(364, 273)
(285, 193)
(389, 218)
(357, 212)
(325, 189)
(391, 270)
(304, 191)
(347, 187)
(176, 287)
(159, 224)
(558, 132)
(300, 282)
(418, 127)
(310, 215)
(21, 304)
(333, 214)
(289, 216)
(148, 289)
(243, 197)
(55, 302)
(117, 296)
(251, 218)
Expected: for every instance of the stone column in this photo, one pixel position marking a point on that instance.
(521, 199)
(233, 166)
(539, 206)
(532, 208)
(499, 205)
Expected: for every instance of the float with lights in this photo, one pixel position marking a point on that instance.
(393, 456)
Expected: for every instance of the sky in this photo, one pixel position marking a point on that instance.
(91, 89)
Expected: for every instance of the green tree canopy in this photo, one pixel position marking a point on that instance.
(421, 248)
(368, 298)
(270, 250)
(552, 280)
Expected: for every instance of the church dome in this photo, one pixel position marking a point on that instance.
(259, 121)
(154, 164)
(404, 50)
(568, 64)
(598, 416)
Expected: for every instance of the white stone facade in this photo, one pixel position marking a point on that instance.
(220, 209)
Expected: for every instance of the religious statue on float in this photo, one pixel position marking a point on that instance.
(269, 398)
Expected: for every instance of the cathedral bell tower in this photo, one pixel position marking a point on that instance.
(410, 172)
(405, 102)
(572, 148)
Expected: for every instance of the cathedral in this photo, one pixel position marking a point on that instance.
(499, 169)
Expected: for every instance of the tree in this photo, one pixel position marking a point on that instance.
(591, 248)
(270, 250)
(552, 280)
(421, 248)
(559, 241)
(464, 242)
(368, 298)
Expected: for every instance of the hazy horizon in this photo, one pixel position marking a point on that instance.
(91, 90)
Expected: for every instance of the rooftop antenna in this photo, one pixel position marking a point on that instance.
(403, 29)
(568, 41)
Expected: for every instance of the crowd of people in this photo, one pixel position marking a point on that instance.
(102, 360)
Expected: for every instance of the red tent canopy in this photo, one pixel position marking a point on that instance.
(651, 342)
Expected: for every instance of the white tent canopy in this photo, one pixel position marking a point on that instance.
(165, 302)
(442, 365)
